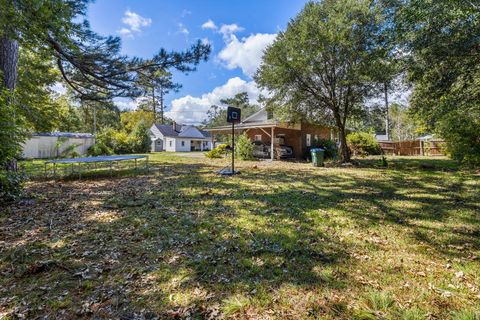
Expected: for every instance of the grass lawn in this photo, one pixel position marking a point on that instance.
(280, 241)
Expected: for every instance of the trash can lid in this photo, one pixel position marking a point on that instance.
(316, 150)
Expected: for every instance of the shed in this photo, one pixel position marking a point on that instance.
(51, 145)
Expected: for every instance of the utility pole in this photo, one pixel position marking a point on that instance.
(387, 115)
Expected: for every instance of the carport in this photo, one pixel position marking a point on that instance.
(271, 133)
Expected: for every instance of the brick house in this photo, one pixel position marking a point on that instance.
(262, 126)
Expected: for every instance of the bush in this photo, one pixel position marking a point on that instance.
(139, 139)
(328, 145)
(363, 144)
(99, 149)
(217, 152)
(462, 137)
(120, 142)
(11, 185)
(244, 147)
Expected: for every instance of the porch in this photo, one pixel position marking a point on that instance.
(199, 145)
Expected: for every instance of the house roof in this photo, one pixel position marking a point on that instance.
(182, 131)
(63, 134)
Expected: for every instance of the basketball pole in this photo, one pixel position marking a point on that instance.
(233, 147)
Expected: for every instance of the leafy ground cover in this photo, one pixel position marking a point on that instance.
(280, 241)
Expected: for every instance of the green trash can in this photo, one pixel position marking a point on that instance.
(317, 156)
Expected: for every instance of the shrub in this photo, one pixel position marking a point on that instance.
(139, 139)
(11, 185)
(121, 143)
(244, 147)
(462, 137)
(328, 145)
(99, 149)
(217, 152)
(363, 144)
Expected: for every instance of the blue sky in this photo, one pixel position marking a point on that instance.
(238, 31)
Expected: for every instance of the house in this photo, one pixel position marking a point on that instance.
(52, 145)
(263, 127)
(179, 138)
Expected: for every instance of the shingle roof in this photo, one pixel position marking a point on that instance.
(167, 130)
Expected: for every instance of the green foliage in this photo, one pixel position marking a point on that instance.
(139, 139)
(328, 145)
(217, 116)
(442, 39)
(70, 152)
(462, 136)
(363, 144)
(131, 119)
(11, 185)
(244, 147)
(330, 47)
(99, 149)
(217, 152)
(121, 143)
(110, 141)
(11, 133)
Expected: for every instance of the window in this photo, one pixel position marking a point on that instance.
(170, 143)
(258, 137)
(269, 114)
(183, 143)
(309, 140)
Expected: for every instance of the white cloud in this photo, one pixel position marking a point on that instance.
(209, 25)
(229, 29)
(126, 103)
(185, 13)
(183, 29)
(134, 22)
(190, 109)
(246, 53)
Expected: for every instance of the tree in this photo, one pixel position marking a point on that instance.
(217, 116)
(131, 119)
(322, 67)
(443, 62)
(90, 64)
(156, 84)
(404, 126)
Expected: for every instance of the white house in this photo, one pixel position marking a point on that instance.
(51, 145)
(179, 138)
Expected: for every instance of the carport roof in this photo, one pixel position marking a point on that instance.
(254, 125)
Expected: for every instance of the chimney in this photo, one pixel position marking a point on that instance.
(174, 125)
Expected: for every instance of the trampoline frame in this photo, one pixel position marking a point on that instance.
(94, 160)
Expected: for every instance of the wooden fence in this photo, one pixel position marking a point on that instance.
(413, 147)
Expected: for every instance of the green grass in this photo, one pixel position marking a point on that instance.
(280, 240)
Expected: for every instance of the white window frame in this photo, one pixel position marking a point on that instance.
(170, 143)
(308, 141)
(258, 137)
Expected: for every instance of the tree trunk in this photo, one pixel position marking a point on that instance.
(154, 105)
(9, 53)
(8, 62)
(161, 105)
(344, 152)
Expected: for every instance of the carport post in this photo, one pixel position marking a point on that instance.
(272, 151)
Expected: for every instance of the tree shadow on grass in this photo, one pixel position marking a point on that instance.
(183, 240)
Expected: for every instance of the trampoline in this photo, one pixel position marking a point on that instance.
(92, 160)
